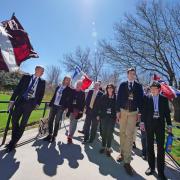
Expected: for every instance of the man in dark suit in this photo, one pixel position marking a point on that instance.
(129, 108)
(155, 113)
(91, 121)
(59, 103)
(26, 97)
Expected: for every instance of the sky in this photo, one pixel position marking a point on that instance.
(57, 27)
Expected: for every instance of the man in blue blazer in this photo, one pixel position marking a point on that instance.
(129, 108)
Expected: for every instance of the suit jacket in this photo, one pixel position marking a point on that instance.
(22, 86)
(96, 102)
(122, 96)
(65, 98)
(148, 111)
(106, 103)
(79, 96)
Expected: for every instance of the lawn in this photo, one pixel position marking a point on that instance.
(176, 144)
(35, 116)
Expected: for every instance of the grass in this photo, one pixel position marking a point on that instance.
(176, 144)
(35, 115)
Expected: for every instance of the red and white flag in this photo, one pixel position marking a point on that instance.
(80, 75)
(166, 90)
(15, 46)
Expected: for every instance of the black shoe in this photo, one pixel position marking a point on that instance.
(149, 171)
(84, 142)
(10, 148)
(48, 138)
(144, 157)
(129, 169)
(82, 132)
(162, 177)
(101, 150)
(108, 153)
(90, 141)
(134, 145)
(53, 139)
(7, 145)
(120, 158)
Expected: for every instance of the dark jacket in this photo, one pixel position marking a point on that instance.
(22, 86)
(96, 102)
(65, 98)
(122, 96)
(105, 104)
(79, 97)
(148, 111)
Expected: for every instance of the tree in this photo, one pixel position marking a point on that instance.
(149, 41)
(90, 63)
(110, 77)
(53, 75)
(96, 65)
(80, 58)
(9, 80)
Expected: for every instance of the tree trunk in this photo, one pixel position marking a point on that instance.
(176, 104)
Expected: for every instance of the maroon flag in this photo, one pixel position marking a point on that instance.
(15, 46)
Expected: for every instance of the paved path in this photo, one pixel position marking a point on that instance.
(38, 160)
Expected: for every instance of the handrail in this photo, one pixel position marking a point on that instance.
(9, 117)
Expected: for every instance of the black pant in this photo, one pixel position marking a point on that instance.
(107, 124)
(144, 143)
(23, 110)
(158, 129)
(55, 114)
(90, 122)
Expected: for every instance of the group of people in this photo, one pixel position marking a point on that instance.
(127, 107)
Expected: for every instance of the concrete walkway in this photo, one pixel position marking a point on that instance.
(38, 160)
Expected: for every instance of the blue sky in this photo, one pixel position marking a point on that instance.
(57, 27)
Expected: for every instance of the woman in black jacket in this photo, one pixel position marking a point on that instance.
(107, 114)
(76, 109)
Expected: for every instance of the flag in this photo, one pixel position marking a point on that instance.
(166, 90)
(15, 46)
(80, 75)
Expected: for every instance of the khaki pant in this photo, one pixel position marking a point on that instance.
(135, 134)
(127, 128)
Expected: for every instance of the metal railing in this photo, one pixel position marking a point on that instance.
(46, 103)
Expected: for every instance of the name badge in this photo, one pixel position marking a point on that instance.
(131, 96)
(74, 101)
(156, 115)
(30, 94)
(108, 111)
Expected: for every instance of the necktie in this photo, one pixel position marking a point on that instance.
(130, 85)
(92, 100)
(29, 88)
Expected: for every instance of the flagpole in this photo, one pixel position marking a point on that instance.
(13, 15)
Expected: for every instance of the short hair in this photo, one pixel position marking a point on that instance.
(155, 84)
(97, 82)
(131, 69)
(39, 66)
(79, 81)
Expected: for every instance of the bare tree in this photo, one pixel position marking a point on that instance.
(149, 41)
(80, 58)
(53, 75)
(96, 65)
(110, 77)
